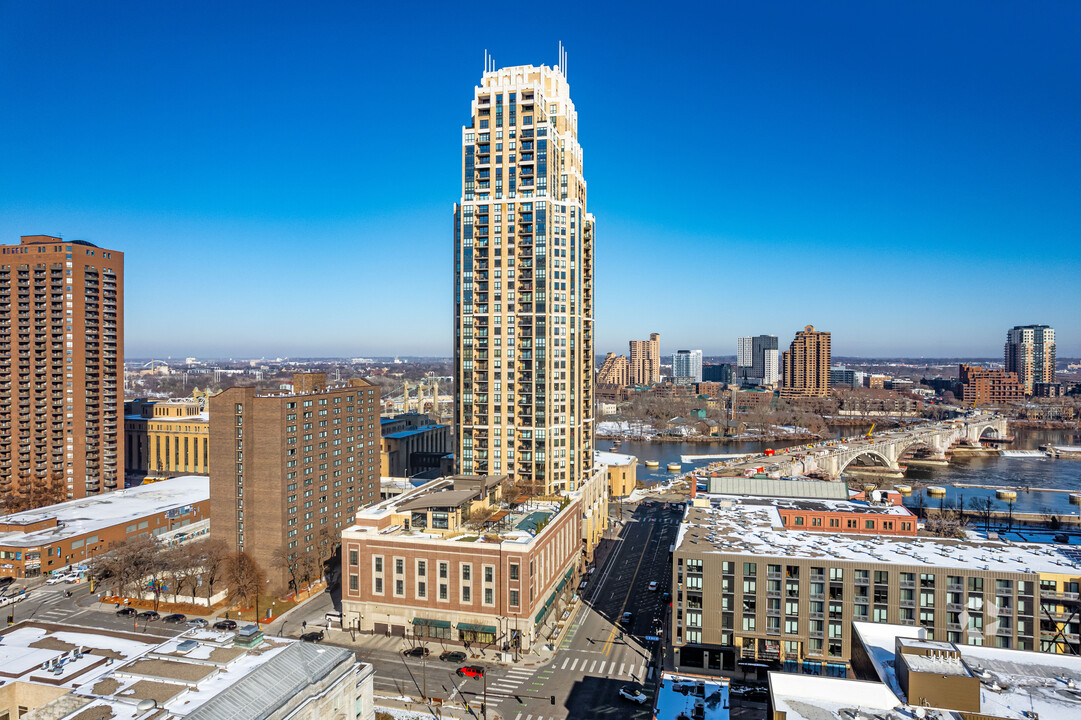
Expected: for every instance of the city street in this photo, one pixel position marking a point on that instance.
(49, 603)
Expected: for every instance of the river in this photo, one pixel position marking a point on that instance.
(994, 470)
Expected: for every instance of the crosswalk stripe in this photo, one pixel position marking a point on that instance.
(592, 667)
(565, 664)
(642, 671)
(518, 671)
(574, 664)
(518, 716)
(621, 667)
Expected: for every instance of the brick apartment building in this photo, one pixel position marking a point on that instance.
(806, 365)
(61, 366)
(304, 463)
(981, 386)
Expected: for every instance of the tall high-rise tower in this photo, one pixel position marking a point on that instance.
(807, 365)
(1030, 352)
(523, 285)
(645, 361)
(757, 360)
(687, 367)
(61, 369)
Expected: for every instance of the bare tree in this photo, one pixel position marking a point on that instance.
(129, 564)
(984, 507)
(290, 563)
(311, 567)
(245, 578)
(212, 555)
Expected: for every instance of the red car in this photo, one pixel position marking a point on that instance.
(472, 671)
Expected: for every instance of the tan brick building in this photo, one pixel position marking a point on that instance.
(455, 562)
(615, 370)
(806, 365)
(289, 470)
(61, 366)
(645, 360)
(981, 386)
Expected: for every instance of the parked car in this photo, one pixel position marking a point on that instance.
(473, 671)
(452, 656)
(175, 618)
(225, 625)
(72, 578)
(127, 612)
(55, 579)
(627, 618)
(197, 623)
(653, 586)
(417, 652)
(312, 637)
(149, 615)
(750, 692)
(629, 692)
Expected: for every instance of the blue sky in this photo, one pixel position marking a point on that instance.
(281, 176)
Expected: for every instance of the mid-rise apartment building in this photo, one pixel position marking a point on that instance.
(807, 365)
(615, 370)
(687, 367)
(166, 438)
(983, 386)
(1030, 353)
(455, 561)
(413, 444)
(645, 360)
(757, 360)
(61, 368)
(289, 470)
(719, 372)
(523, 279)
(746, 588)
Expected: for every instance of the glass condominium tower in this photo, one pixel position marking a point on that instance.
(523, 285)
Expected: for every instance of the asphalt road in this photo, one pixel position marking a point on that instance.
(49, 603)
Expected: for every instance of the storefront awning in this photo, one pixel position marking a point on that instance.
(431, 623)
(470, 627)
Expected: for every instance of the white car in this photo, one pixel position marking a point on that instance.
(56, 579)
(653, 586)
(628, 692)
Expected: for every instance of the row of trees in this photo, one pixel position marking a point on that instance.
(142, 564)
(28, 493)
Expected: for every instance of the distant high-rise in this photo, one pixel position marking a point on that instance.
(1030, 352)
(757, 361)
(61, 369)
(807, 365)
(687, 367)
(615, 370)
(523, 279)
(646, 360)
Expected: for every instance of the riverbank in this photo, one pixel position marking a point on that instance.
(1047, 424)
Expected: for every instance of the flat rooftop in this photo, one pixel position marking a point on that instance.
(88, 515)
(678, 695)
(753, 527)
(814, 697)
(1012, 682)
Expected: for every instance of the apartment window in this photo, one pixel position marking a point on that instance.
(748, 623)
(467, 570)
(353, 557)
(399, 587)
(489, 574)
(791, 627)
(354, 583)
(837, 574)
(514, 571)
(750, 569)
(489, 596)
(466, 594)
(881, 614)
(378, 586)
(799, 520)
(975, 584)
(399, 566)
(443, 571)
(443, 591)
(514, 598)
(422, 568)
(378, 563)
(882, 577)
(422, 589)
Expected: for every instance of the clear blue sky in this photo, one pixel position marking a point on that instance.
(280, 177)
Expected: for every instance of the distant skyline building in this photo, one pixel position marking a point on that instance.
(645, 360)
(719, 372)
(1030, 352)
(615, 370)
(61, 368)
(523, 279)
(807, 365)
(687, 367)
(757, 360)
(982, 386)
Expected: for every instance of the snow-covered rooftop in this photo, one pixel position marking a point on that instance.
(88, 515)
(678, 695)
(613, 458)
(1012, 682)
(812, 697)
(740, 526)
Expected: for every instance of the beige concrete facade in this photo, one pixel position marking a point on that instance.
(645, 360)
(61, 366)
(523, 278)
(289, 470)
(1030, 353)
(169, 438)
(806, 365)
(615, 370)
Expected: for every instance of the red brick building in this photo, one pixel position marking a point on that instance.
(981, 386)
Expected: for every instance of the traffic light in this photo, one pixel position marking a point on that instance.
(553, 699)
